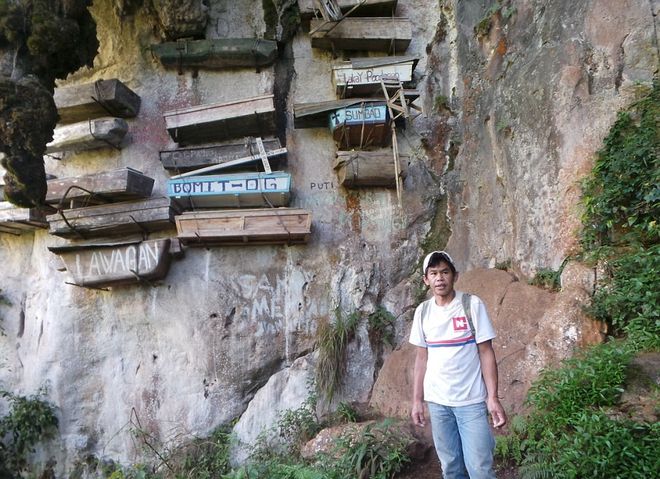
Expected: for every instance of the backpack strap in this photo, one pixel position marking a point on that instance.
(467, 306)
(466, 301)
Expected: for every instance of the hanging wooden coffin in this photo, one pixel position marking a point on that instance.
(217, 53)
(363, 76)
(238, 227)
(368, 168)
(111, 264)
(238, 190)
(361, 126)
(222, 121)
(357, 8)
(15, 220)
(93, 100)
(186, 159)
(104, 187)
(88, 135)
(384, 34)
(113, 219)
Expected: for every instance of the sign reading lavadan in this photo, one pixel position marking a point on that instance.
(233, 190)
(363, 76)
(96, 265)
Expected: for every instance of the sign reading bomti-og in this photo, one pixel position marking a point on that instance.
(231, 191)
(110, 264)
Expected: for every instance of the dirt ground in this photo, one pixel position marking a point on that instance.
(429, 468)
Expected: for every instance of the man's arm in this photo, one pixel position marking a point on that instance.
(489, 372)
(418, 387)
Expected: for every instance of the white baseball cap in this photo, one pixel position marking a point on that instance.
(444, 256)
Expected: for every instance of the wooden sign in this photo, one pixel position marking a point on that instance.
(368, 168)
(186, 159)
(88, 135)
(15, 220)
(111, 264)
(385, 34)
(232, 190)
(113, 219)
(222, 121)
(315, 114)
(93, 100)
(361, 125)
(363, 76)
(217, 53)
(239, 227)
(107, 186)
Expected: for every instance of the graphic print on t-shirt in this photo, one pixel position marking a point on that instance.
(460, 323)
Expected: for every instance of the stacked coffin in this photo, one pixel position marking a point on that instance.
(108, 216)
(374, 94)
(228, 191)
(92, 116)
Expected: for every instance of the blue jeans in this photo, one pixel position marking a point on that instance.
(463, 441)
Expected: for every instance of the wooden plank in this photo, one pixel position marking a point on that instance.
(217, 53)
(107, 186)
(222, 121)
(186, 159)
(360, 77)
(361, 126)
(88, 135)
(392, 35)
(111, 264)
(153, 214)
(15, 220)
(239, 227)
(93, 100)
(240, 190)
(367, 168)
(365, 8)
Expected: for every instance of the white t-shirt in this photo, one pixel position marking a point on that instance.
(453, 370)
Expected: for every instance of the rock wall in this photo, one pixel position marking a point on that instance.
(514, 112)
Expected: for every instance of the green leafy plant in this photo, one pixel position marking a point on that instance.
(381, 326)
(333, 339)
(621, 198)
(346, 412)
(377, 452)
(30, 420)
(547, 278)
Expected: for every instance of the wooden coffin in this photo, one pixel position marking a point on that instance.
(111, 264)
(88, 135)
(361, 126)
(357, 8)
(239, 190)
(15, 220)
(384, 34)
(363, 76)
(217, 53)
(186, 159)
(238, 227)
(113, 219)
(93, 100)
(222, 121)
(104, 187)
(315, 114)
(368, 168)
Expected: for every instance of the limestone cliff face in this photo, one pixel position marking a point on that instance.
(517, 100)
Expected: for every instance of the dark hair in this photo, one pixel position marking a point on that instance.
(438, 257)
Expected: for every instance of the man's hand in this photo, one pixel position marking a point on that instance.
(496, 412)
(417, 414)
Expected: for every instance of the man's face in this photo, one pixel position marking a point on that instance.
(440, 279)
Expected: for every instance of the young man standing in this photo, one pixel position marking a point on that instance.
(455, 373)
